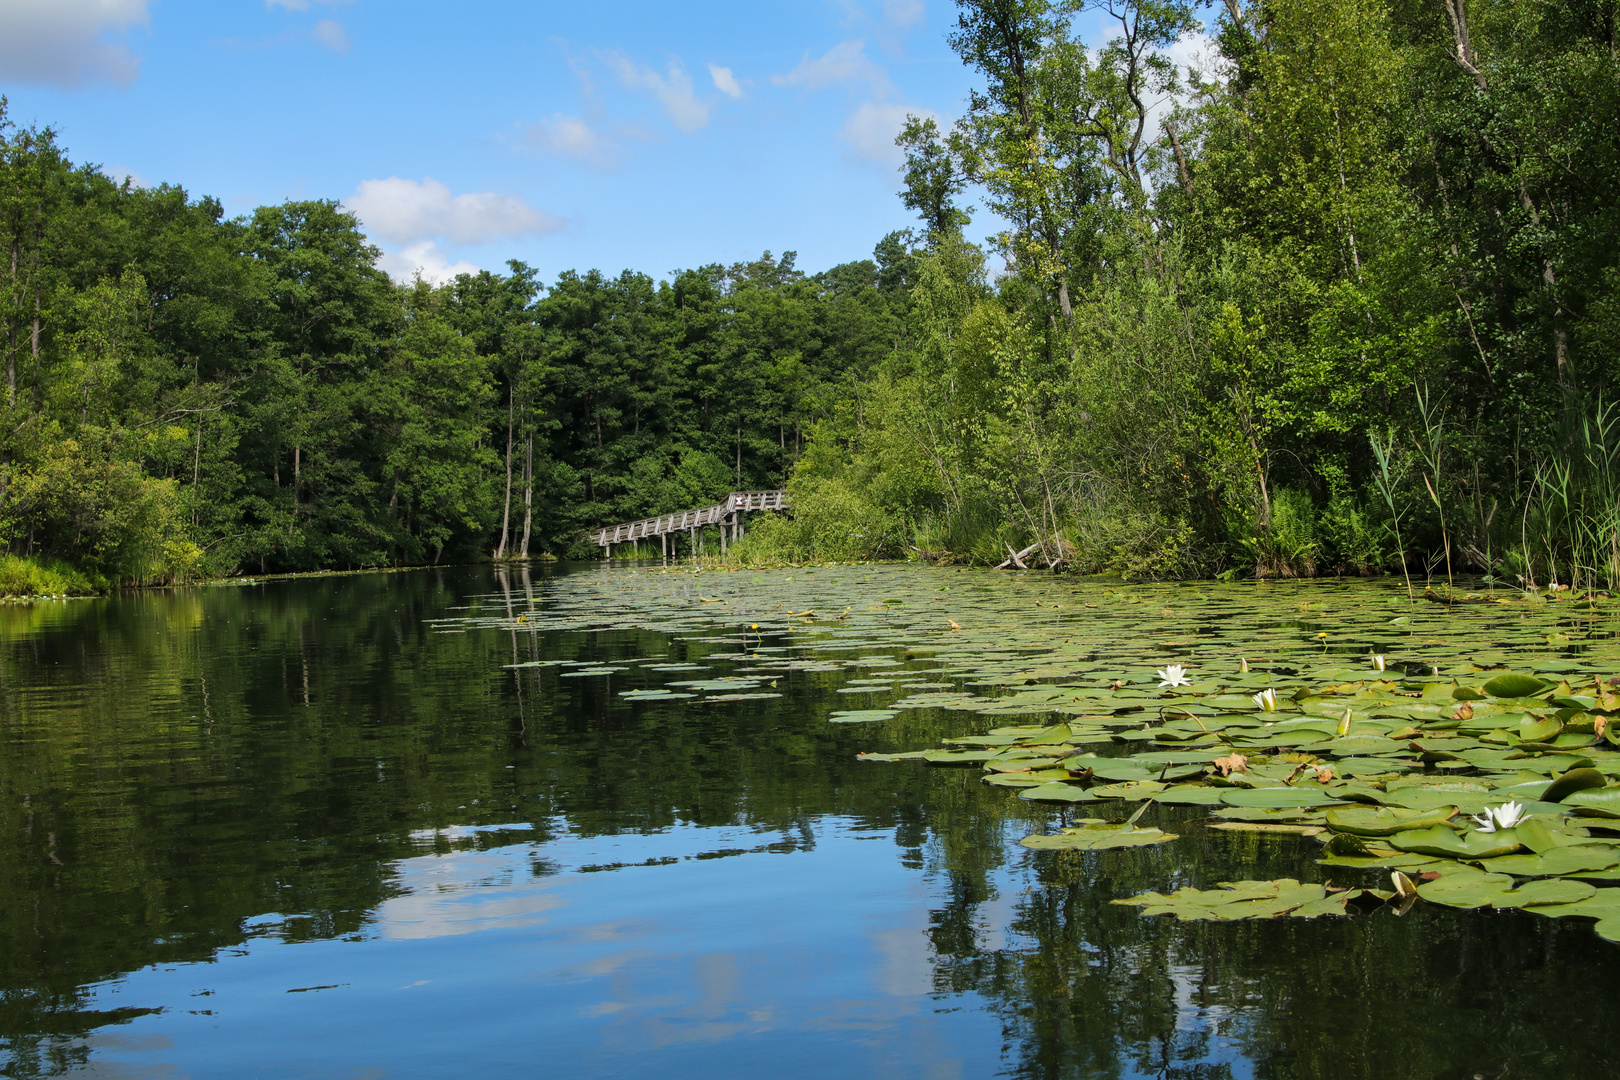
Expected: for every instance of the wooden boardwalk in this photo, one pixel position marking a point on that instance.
(728, 515)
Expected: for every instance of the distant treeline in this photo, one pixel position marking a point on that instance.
(187, 393)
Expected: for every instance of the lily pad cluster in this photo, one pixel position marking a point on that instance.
(1495, 699)
(1488, 787)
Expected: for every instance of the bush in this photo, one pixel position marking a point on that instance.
(1287, 546)
(105, 513)
(1352, 535)
(829, 523)
(45, 577)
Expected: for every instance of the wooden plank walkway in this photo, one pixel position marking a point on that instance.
(726, 514)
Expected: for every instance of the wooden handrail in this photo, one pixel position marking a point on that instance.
(682, 520)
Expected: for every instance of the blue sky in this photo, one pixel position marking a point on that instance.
(650, 136)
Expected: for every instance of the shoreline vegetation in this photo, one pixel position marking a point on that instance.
(1341, 299)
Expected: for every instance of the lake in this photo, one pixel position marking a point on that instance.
(605, 822)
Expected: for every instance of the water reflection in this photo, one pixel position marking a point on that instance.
(294, 829)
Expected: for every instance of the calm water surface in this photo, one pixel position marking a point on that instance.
(299, 829)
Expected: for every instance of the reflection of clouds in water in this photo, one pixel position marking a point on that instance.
(993, 923)
(907, 961)
(104, 1069)
(461, 894)
(680, 966)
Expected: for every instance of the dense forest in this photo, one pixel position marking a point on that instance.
(190, 394)
(1344, 298)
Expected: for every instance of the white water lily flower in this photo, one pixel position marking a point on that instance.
(1266, 699)
(1174, 675)
(1378, 662)
(1500, 817)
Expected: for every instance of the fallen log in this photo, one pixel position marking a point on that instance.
(1018, 557)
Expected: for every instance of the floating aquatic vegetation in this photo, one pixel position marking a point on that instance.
(1397, 740)
(1537, 786)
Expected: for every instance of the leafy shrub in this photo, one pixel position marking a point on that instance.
(103, 512)
(828, 523)
(1287, 546)
(45, 577)
(1352, 535)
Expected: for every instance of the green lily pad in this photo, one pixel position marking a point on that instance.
(959, 757)
(1441, 840)
(861, 716)
(1057, 792)
(1113, 769)
(1534, 730)
(1238, 900)
(1402, 860)
(1548, 891)
(1511, 684)
(1098, 839)
(1189, 795)
(1595, 802)
(1554, 863)
(1468, 890)
(1541, 835)
(1131, 790)
(1278, 797)
(1384, 821)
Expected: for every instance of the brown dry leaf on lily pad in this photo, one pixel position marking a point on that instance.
(1231, 763)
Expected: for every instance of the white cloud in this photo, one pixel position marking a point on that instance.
(64, 42)
(673, 90)
(424, 258)
(845, 64)
(406, 211)
(871, 128)
(118, 174)
(902, 14)
(725, 82)
(330, 33)
(1195, 53)
(575, 138)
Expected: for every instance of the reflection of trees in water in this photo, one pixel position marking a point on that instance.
(177, 764)
(1085, 988)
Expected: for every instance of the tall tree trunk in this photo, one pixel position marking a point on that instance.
(11, 332)
(1560, 331)
(528, 493)
(506, 507)
(1181, 159)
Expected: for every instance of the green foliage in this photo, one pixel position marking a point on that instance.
(21, 576)
(88, 504)
(1350, 229)
(1345, 302)
(184, 393)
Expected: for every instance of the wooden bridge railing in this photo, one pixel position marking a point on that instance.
(728, 515)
